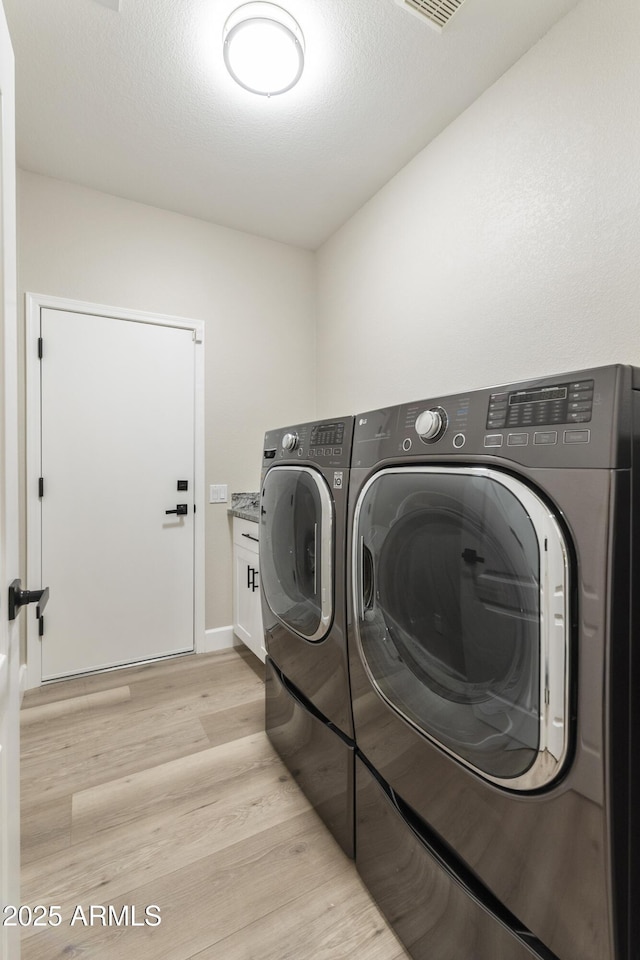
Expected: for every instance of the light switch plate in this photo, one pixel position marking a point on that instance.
(218, 493)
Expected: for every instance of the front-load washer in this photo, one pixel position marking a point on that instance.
(495, 667)
(303, 514)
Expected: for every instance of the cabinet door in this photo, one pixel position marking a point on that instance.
(247, 619)
(257, 630)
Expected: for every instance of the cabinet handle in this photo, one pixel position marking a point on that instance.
(250, 537)
(252, 573)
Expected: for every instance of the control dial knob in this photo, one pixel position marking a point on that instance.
(431, 424)
(290, 441)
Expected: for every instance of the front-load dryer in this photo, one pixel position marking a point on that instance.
(494, 563)
(303, 515)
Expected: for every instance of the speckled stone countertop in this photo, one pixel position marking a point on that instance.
(246, 506)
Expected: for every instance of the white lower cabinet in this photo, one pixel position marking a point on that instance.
(247, 615)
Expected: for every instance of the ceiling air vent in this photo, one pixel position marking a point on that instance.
(436, 12)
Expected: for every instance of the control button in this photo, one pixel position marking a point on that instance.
(580, 405)
(290, 441)
(576, 417)
(498, 396)
(577, 436)
(337, 451)
(549, 436)
(494, 440)
(459, 440)
(581, 395)
(406, 444)
(431, 424)
(428, 424)
(518, 439)
(581, 385)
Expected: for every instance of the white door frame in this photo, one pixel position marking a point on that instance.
(9, 506)
(34, 303)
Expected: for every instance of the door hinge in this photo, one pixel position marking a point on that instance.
(40, 348)
(41, 486)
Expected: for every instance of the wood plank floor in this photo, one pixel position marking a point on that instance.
(156, 785)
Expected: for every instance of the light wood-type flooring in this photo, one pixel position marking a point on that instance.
(156, 785)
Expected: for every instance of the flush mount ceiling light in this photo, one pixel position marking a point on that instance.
(263, 48)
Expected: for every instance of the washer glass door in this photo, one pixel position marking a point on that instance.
(296, 549)
(461, 590)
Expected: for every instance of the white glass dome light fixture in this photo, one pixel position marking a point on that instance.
(263, 48)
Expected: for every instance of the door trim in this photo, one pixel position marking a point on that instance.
(10, 526)
(34, 304)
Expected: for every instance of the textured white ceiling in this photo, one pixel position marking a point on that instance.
(138, 103)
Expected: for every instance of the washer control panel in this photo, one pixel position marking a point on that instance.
(570, 402)
(576, 420)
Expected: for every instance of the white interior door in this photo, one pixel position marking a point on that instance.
(9, 638)
(117, 440)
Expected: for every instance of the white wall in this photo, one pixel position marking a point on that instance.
(257, 299)
(508, 248)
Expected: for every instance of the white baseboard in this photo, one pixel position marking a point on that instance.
(23, 680)
(220, 638)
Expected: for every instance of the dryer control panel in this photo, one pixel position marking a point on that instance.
(322, 443)
(327, 434)
(582, 420)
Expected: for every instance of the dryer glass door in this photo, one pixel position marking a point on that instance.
(296, 549)
(461, 587)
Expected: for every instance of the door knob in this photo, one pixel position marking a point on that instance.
(181, 509)
(19, 598)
